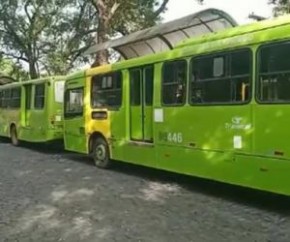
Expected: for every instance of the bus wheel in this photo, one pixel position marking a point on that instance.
(101, 153)
(13, 135)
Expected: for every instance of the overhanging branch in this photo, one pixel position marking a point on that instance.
(160, 9)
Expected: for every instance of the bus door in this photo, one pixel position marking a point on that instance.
(141, 101)
(74, 117)
(27, 105)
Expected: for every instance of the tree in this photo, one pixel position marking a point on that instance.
(12, 69)
(21, 26)
(69, 37)
(49, 35)
(124, 17)
(281, 7)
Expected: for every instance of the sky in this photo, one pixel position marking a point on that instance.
(238, 9)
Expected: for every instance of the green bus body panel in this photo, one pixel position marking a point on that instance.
(273, 133)
(148, 123)
(74, 127)
(76, 76)
(34, 125)
(75, 137)
(136, 123)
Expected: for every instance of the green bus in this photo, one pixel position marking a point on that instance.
(32, 110)
(215, 107)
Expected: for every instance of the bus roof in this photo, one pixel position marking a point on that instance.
(237, 31)
(33, 81)
(76, 75)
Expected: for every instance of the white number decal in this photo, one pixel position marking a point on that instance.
(175, 137)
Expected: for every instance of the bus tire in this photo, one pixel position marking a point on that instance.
(101, 153)
(13, 135)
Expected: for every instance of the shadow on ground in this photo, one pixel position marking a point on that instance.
(262, 200)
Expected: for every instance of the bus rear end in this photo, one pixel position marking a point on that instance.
(55, 109)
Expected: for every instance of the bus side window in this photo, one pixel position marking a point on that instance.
(274, 73)
(39, 96)
(221, 78)
(74, 102)
(174, 82)
(6, 98)
(107, 90)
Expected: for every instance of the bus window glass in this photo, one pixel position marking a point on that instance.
(274, 73)
(28, 89)
(59, 91)
(135, 87)
(39, 96)
(74, 102)
(15, 97)
(205, 68)
(107, 90)
(227, 82)
(174, 82)
(218, 66)
(149, 75)
(6, 98)
(240, 63)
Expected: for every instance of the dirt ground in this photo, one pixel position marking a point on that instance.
(49, 195)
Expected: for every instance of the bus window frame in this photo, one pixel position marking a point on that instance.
(8, 100)
(44, 96)
(108, 107)
(12, 99)
(140, 72)
(258, 65)
(77, 114)
(185, 60)
(226, 53)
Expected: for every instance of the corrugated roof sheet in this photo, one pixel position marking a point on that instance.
(6, 79)
(165, 36)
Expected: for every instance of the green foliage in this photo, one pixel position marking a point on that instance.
(50, 36)
(133, 15)
(9, 68)
(281, 7)
(123, 17)
(69, 36)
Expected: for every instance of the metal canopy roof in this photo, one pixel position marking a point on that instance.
(6, 79)
(165, 36)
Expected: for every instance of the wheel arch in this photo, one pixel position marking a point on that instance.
(93, 137)
(13, 134)
(13, 124)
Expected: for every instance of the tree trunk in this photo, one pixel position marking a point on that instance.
(32, 69)
(102, 57)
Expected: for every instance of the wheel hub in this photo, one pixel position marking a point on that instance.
(101, 152)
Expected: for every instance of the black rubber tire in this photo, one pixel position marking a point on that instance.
(101, 153)
(13, 136)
